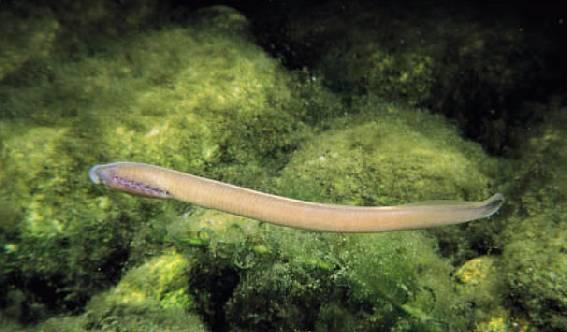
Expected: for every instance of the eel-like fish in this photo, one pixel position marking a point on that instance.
(157, 182)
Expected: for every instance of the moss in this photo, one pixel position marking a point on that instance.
(63, 324)
(481, 282)
(371, 68)
(535, 268)
(190, 98)
(534, 239)
(449, 57)
(496, 323)
(210, 228)
(539, 183)
(409, 283)
(475, 271)
(392, 156)
(391, 281)
(151, 296)
(25, 39)
(56, 216)
(373, 281)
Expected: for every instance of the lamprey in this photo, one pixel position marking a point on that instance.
(157, 182)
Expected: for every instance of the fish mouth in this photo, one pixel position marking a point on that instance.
(109, 176)
(93, 174)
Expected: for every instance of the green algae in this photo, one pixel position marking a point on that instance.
(535, 268)
(194, 97)
(378, 281)
(371, 68)
(390, 155)
(475, 68)
(187, 97)
(480, 280)
(151, 296)
(386, 281)
(387, 156)
(534, 239)
(161, 282)
(42, 186)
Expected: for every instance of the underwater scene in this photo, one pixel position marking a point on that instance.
(283, 165)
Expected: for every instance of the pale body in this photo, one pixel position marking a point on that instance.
(158, 182)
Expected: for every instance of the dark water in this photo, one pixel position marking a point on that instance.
(357, 103)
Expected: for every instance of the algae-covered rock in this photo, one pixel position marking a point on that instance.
(62, 239)
(540, 180)
(410, 283)
(63, 324)
(187, 97)
(160, 282)
(222, 19)
(390, 155)
(253, 277)
(308, 280)
(481, 282)
(383, 281)
(209, 228)
(534, 240)
(500, 321)
(390, 281)
(454, 58)
(369, 67)
(395, 156)
(282, 293)
(535, 267)
(476, 271)
(10, 326)
(201, 97)
(149, 297)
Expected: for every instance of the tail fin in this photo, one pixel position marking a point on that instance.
(493, 204)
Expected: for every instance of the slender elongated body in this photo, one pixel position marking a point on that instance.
(153, 181)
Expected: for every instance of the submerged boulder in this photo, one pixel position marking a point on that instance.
(290, 279)
(388, 156)
(534, 241)
(152, 296)
(535, 268)
(192, 98)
